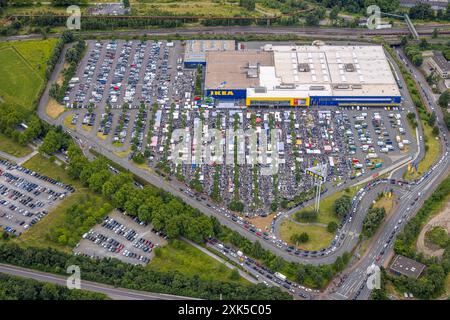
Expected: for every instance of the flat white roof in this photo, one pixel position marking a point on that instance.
(357, 70)
(302, 71)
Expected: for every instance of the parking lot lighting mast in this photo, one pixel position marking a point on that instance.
(319, 173)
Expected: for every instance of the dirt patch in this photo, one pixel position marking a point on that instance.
(442, 219)
(54, 108)
(60, 79)
(387, 202)
(262, 223)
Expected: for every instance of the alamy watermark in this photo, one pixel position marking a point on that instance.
(74, 20)
(374, 19)
(374, 277)
(212, 146)
(74, 280)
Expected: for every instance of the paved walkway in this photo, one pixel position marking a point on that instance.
(229, 265)
(17, 160)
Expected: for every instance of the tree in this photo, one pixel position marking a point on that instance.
(404, 41)
(248, 4)
(373, 220)
(423, 44)
(332, 227)
(342, 206)
(447, 119)
(432, 119)
(422, 11)
(385, 5)
(126, 3)
(444, 99)
(300, 238)
(435, 131)
(435, 33)
(312, 19)
(334, 13)
(52, 143)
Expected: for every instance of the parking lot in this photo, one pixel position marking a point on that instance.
(121, 237)
(26, 197)
(130, 96)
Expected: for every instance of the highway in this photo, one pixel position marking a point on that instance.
(110, 291)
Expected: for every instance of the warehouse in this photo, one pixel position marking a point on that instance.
(302, 76)
(195, 50)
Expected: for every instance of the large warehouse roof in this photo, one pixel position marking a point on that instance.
(196, 50)
(235, 69)
(339, 70)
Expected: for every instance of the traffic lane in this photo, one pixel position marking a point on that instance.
(389, 227)
(377, 244)
(267, 277)
(117, 293)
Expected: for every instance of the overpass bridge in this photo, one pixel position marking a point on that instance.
(408, 21)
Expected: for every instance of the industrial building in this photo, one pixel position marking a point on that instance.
(284, 75)
(439, 64)
(402, 265)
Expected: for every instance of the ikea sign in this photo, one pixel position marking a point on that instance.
(226, 93)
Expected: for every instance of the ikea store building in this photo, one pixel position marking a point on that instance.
(316, 75)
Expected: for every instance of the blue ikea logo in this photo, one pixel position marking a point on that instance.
(222, 93)
(227, 93)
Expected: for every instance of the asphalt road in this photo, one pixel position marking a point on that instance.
(354, 287)
(112, 292)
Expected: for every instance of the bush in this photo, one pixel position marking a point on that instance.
(437, 236)
(307, 215)
(300, 238)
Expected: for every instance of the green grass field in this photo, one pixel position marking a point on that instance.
(44, 166)
(182, 257)
(11, 147)
(431, 155)
(326, 213)
(22, 69)
(36, 52)
(39, 234)
(319, 237)
(19, 83)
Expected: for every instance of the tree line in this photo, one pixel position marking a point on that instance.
(73, 57)
(136, 277)
(15, 288)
